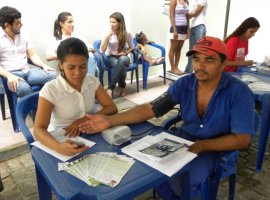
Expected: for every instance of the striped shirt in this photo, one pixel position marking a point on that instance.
(180, 14)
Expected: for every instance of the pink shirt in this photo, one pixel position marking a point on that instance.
(13, 54)
(112, 47)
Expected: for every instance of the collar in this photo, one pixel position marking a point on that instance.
(222, 83)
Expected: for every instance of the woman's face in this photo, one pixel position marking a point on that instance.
(75, 70)
(68, 25)
(114, 25)
(250, 33)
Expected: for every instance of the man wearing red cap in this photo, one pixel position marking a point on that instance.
(217, 111)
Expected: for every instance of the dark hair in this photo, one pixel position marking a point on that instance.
(222, 57)
(250, 22)
(122, 37)
(62, 17)
(139, 37)
(71, 46)
(8, 15)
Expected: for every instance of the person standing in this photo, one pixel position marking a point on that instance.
(117, 44)
(179, 32)
(15, 48)
(197, 15)
(63, 29)
(237, 44)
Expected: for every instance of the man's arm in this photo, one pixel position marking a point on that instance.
(34, 57)
(12, 79)
(223, 143)
(98, 123)
(195, 12)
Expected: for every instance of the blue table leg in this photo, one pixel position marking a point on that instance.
(43, 188)
(264, 131)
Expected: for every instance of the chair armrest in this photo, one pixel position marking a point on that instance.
(160, 47)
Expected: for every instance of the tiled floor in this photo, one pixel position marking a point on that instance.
(19, 177)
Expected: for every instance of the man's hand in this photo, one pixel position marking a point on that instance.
(94, 124)
(13, 81)
(196, 147)
(47, 68)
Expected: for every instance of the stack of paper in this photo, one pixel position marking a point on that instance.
(164, 152)
(100, 168)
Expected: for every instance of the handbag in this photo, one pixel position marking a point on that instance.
(166, 7)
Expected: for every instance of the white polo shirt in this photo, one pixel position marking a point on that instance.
(199, 19)
(13, 54)
(69, 104)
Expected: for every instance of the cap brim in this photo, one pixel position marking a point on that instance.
(204, 51)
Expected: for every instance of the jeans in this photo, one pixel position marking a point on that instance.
(92, 65)
(34, 77)
(120, 65)
(196, 33)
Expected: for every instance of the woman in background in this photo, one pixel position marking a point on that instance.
(117, 44)
(237, 44)
(179, 32)
(63, 29)
(64, 102)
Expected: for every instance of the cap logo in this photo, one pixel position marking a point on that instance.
(205, 42)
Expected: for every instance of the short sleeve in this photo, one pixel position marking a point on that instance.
(49, 92)
(202, 2)
(231, 48)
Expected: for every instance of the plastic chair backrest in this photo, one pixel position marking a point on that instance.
(25, 105)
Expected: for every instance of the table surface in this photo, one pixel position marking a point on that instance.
(264, 98)
(138, 179)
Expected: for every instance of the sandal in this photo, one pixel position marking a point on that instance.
(160, 60)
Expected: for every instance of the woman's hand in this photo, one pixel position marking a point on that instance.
(121, 54)
(175, 35)
(73, 129)
(69, 148)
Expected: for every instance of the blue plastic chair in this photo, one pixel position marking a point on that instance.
(103, 64)
(146, 65)
(12, 102)
(227, 165)
(26, 105)
(2, 101)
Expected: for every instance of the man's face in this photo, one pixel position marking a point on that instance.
(15, 28)
(207, 68)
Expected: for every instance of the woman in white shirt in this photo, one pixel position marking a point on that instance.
(64, 102)
(63, 29)
(117, 44)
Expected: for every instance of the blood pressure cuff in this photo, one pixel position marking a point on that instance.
(162, 104)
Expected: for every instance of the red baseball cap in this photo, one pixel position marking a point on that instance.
(209, 46)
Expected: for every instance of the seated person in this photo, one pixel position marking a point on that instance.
(63, 29)
(15, 48)
(142, 42)
(237, 44)
(217, 111)
(64, 101)
(117, 44)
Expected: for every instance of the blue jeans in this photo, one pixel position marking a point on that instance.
(196, 33)
(34, 77)
(92, 65)
(120, 65)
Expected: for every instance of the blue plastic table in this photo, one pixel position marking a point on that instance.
(264, 98)
(140, 177)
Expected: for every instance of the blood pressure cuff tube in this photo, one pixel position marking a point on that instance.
(162, 104)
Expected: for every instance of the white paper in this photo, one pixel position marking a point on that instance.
(168, 166)
(60, 136)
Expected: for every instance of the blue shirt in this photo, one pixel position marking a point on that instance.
(230, 109)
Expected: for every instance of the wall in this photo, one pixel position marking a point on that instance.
(91, 20)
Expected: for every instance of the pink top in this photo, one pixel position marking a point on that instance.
(112, 47)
